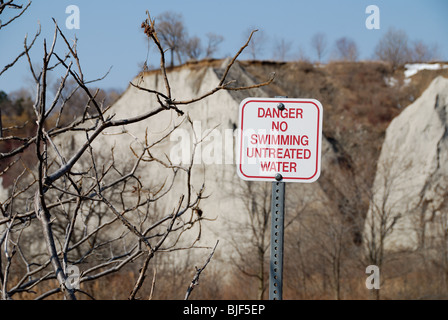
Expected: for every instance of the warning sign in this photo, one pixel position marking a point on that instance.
(279, 139)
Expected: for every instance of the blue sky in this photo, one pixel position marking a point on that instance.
(110, 34)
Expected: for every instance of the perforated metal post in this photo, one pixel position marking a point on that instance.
(277, 236)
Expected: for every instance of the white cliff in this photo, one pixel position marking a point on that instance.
(410, 186)
(215, 119)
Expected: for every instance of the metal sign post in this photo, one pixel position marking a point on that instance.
(277, 237)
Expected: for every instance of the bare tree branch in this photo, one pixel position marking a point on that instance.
(195, 280)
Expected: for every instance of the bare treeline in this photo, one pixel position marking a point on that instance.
(173, 34)
(394, 47)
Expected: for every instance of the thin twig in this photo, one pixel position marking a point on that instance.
(195, 280)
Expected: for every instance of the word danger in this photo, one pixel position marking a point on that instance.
(291, 113)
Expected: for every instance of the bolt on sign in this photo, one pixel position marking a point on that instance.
(279, 139)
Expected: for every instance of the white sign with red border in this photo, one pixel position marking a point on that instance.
(279, 139)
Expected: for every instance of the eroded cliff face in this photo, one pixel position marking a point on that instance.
(407, 183)
(410, 189)
(213, 121)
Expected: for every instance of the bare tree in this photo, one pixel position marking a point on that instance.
(281, 49)
(174, 36)
(193, 48)
(172, 33)
(213, 42)
(346, 49)
(323, 245)
(393, 48)
(251, 260)
(442, 221)
(422, 52)
(430, 222)
(257, 45)
(21, 9)
(10, 4)
(385, 212)
(301, 54)
(319, 45)
(78, 206)
(396, 48)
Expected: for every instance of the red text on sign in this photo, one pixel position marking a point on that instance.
(271, 166)
(289, 113)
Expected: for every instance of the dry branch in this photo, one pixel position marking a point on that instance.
(195, 280)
